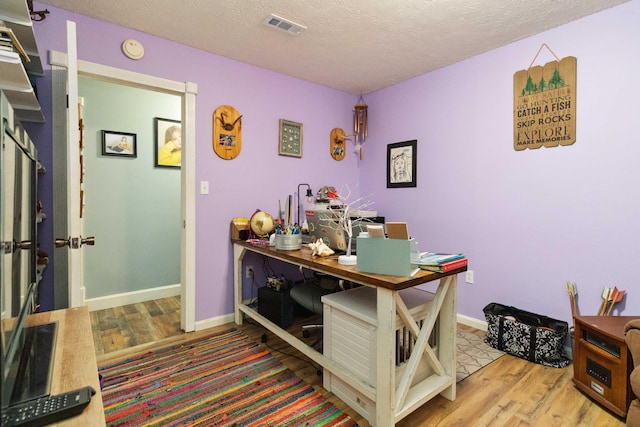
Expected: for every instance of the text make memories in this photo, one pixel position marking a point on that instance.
(544, 105)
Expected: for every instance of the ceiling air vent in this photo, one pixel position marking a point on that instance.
(284, 24)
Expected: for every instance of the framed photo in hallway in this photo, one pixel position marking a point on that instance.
(168, 143)
(119, 144)
(401, 164)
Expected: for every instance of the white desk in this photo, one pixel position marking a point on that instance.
(392, 402)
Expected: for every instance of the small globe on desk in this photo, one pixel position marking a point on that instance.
(261, 223)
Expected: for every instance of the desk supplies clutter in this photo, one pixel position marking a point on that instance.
(240, 229)
(288, 242)
(318, 248)
(288, 238)
(397, 230)
(441, 263)
(395, 257)
(323, 226)
(374, 230)
(530, 336)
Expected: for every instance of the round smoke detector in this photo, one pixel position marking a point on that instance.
(133, 49)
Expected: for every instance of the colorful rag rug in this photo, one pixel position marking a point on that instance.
(225, 379)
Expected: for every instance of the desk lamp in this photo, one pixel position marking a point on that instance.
(309, 199)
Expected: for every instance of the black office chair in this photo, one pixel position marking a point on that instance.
(308, 294)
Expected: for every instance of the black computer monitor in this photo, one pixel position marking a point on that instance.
(27, 355)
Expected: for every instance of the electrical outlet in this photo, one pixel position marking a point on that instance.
(469, 277)
(248, 272)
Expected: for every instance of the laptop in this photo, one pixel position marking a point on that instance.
(323, 224)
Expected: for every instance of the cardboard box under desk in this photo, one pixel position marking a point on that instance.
(386, 256)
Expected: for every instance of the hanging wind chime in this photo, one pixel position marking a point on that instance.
(360, 123)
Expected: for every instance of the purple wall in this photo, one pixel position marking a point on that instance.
(528, 221)
(258, 177)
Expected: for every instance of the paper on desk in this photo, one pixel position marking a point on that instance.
(397, 230)
(375, 230)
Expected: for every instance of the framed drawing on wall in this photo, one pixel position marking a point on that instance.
(401, 164)
(290, 138)
(168, 143)
(119, 144)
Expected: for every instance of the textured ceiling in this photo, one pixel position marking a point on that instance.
(356, 46)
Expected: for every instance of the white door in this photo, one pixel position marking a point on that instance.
(74, 221)
(65, 69)
(66, 161)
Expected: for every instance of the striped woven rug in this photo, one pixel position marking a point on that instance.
(225, 379)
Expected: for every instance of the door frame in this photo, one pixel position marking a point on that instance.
(187, 91)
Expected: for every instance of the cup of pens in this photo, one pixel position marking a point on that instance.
(288, 238)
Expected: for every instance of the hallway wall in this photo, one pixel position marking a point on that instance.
(131, 206)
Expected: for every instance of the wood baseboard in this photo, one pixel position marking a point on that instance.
(135, 297)
(474, 323)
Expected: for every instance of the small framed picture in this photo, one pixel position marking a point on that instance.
(119, 144)
(168, 143)
(290, 138)
(401, 164)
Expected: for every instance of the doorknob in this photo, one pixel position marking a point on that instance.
(25, 244)
(91, 241)
(62, 242)
(75, 243)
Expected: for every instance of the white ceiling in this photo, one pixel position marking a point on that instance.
(356, 46)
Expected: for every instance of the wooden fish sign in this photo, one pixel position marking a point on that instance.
(544, 105)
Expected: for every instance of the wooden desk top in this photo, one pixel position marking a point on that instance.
(329, 265)
(74, 364)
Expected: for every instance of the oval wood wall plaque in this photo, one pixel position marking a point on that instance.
(337, 143)
(227, 132)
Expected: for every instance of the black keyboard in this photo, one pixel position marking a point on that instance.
(47, 410)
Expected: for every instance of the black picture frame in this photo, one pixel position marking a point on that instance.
(164, 130)
(119, 144)
(401, 164)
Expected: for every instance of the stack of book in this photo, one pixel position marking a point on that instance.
(10, 43)
(6, 43)
(441, 263)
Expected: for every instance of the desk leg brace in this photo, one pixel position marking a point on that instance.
(444, 367)
(238, 255)
(427, 328)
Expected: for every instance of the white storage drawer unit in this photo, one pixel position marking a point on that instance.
(349, 337)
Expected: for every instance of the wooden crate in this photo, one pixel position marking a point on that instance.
(349, 336)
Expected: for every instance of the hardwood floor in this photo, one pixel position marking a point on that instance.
(509, 392)
(131, 325)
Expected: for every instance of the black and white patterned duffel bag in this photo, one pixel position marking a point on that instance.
(530, 336)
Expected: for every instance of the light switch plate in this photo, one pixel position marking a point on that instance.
(204, 187)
